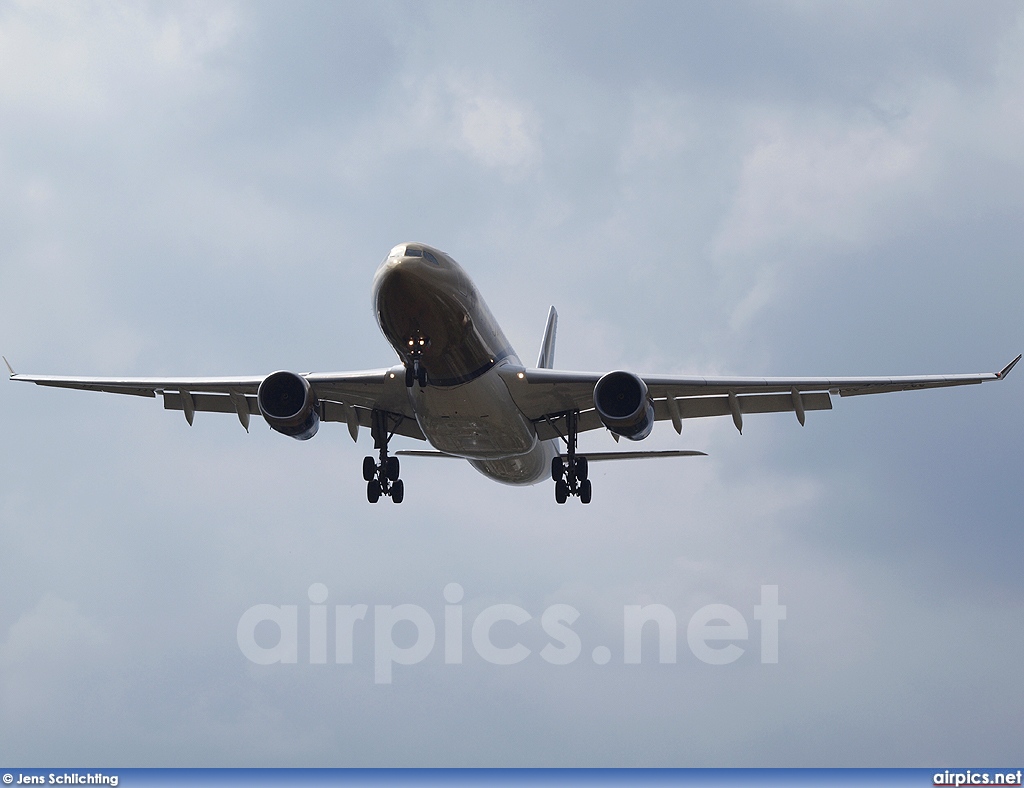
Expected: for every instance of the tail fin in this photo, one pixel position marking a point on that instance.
(546, 359)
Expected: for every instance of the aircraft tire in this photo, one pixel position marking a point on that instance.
(369, 468)
(373, 491)
(586, 490)
(398, 491)
(561, 491)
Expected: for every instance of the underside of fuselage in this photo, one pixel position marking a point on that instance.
(454, 351)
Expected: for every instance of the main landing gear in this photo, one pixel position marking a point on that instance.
(415, 372)
(381, 476)
(570, 474)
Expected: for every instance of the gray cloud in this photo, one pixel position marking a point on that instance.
(788, 189)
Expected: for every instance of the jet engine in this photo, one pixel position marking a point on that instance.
(287, 403)
(623, 405)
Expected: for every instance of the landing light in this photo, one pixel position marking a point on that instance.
(520, 375)
(392, 375)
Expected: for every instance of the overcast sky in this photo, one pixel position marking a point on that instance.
(700, 188)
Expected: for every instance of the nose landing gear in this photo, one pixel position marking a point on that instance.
(381, 476)
(570, 474)
(415, 372)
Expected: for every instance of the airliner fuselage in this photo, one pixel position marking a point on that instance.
(432, 314)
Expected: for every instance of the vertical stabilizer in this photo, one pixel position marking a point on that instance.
(546, 359)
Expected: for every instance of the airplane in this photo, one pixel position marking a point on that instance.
(461, 387)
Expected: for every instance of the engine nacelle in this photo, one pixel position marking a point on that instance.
(287, 403)
(623, 405)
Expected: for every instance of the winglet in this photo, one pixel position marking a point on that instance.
(13, 373)
(1001, 374)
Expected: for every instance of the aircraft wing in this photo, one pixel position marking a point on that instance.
(347, 397)
(545, 394)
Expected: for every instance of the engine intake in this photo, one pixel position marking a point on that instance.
(287, 403)
(623, 405)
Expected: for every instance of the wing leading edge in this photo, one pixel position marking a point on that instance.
(350, 397)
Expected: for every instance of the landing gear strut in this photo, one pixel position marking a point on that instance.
(570, 474)
(381, 476)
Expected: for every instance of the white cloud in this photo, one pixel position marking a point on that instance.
(809, 182)
(446, 113)
(497, 132)
(95, 61)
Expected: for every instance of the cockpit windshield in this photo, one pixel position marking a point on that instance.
(408, 250)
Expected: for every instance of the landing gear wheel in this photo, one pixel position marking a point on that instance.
(410, 377)
(570, 472)
(557, 468)
(381, 473)
(421, 376)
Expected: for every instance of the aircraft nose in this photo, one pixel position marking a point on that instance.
(395, 271)
(412, 269)
(400, 280)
